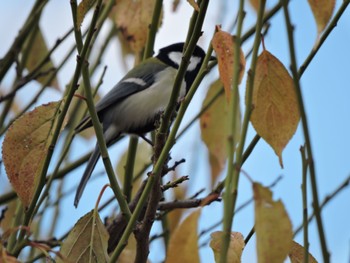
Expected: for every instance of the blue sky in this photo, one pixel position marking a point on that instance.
(325, 87)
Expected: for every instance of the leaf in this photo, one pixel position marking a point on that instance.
(142, 158)
(38, 51)
(255, 4)
(275, 115)
(5, 257)
(83, 7)
(322, 11)
(87, 241)
(235, 248)
(25, 146)
(133, 18)
(224, 46)
(214, 127)
(183, 243)
(296, 254)
(194, 4)
(8, 216)
(179, 193)
(273, 228)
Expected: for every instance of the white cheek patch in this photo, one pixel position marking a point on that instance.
(194, 63)
(137, 81)
(175, 57)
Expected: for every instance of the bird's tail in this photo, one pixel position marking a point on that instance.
(87, 174)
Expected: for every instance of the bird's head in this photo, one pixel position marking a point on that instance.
(172, 56)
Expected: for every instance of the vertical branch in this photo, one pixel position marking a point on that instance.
(304, 122)
(91, 106)
(304, 195)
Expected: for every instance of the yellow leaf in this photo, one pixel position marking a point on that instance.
(25, 146)
(179, 193)
(38, 51)
(274, 234)
(296, 254)
(133, 18)
(142, 158)
(194, 4)
(183, 244)
(83, 8)
(214, 127)
(87, 241)
(235, 248)
(322, 11)
(224, 46)
(275, 115)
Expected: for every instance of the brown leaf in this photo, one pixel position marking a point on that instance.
(183, 244)
(133, 18)
(274, 234)
(194, 4)
(25, 146)
(296, 254)
(87, 241)
(5, 257)
(83, 8)
(224, 46)
(38, 51)
(255, 4)
(322, 11)
(275, 116)
(235, 248)
(214, 129)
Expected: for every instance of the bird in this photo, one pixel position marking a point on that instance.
(134, 105)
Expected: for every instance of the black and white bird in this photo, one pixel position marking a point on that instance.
(135, 104)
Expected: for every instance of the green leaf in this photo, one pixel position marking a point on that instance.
(87, 241)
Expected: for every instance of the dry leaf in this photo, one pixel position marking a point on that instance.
(38, 51)
(255, 4)
(5, 257)
(274, 234)
(194, 4)
(179, 193)
(235, 248)
(87, 241)
(296, 254)
(183, 244)
(25, 146)
(224, 46)
(214, 129)
(142, 158)
(133, 18)
(275, 115)
(83, 8)
(322, 11)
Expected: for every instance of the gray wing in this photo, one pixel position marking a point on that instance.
(126, 87)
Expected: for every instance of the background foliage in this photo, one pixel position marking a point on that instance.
(39, 65)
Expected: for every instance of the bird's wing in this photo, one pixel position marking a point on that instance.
(129, 85)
